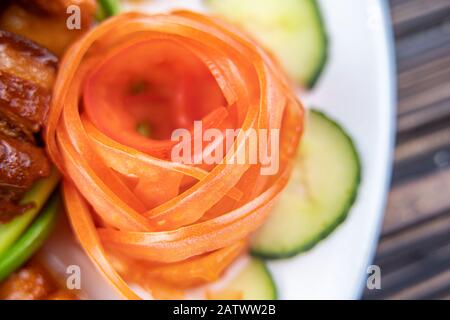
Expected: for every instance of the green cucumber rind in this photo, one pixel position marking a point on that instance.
(258, 272)
(265, 254)
(273, 284)
(321, 63)
(312, 78)
(270, 279)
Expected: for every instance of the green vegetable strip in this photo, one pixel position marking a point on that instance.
(38, 195)
(31, 240)
(107, 8)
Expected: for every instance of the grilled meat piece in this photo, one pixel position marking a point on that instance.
(24, 100)
(27, 60)
(21, 163)
(9, 210)
(29, 283)
(27, 74)
(59, 7)
(45, 22)
(34, 282)
(12, 126)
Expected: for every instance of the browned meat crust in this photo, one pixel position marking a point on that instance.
(21, 163)
(13, 126)
(59, 7)
(29, 283)
(34, 282)
(10, 209)
(24, 99)
(45, 21)
(28, 50)
(27, 73)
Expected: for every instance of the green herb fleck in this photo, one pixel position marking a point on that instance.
(144, 128)
(138, 87)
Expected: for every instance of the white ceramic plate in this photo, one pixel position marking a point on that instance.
(358, 89)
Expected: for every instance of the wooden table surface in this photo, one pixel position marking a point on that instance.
(414, 248)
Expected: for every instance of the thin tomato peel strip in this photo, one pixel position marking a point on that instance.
(128, 202)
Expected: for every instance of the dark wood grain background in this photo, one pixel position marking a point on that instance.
(414, 248)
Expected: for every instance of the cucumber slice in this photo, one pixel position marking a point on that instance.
(38, 194)
(292, 29)
(31, 240)
(322, 189)
(254, 281)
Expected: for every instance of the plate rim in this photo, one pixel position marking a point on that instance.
(389, 52)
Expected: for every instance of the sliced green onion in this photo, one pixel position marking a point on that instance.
(107, 8)
(31, 240)
(37, 195)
